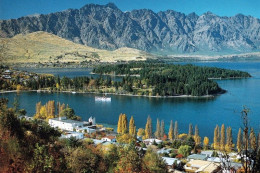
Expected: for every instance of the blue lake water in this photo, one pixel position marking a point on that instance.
(205, 112)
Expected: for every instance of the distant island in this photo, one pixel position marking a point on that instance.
(151, 78)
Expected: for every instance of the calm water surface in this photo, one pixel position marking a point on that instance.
(205, 112)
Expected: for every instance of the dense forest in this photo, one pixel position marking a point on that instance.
(149, 79)
(169, 79)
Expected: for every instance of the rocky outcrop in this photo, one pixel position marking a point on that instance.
(107, 27)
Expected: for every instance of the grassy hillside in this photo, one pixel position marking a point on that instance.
(46, 47)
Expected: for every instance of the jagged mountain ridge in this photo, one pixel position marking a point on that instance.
(107, 27)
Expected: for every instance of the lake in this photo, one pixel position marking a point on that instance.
(205, 112)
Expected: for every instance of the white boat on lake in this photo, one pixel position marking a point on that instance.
(103, 99)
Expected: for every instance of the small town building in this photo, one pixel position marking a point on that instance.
(109, 138)
(201, 166)
(197, 157)
(171, 163)
(151, 141)
(76, 135)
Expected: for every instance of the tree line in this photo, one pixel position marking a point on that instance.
(170, 79)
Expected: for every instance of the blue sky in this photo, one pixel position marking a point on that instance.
(17, 8)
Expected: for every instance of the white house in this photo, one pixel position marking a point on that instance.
(76, 135)
(109, 138)
(65, 124)
(151, 141)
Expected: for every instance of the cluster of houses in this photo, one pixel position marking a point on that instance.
(12, 74)
(196, 163)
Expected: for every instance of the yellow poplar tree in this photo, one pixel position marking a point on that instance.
(158, 129)
(239, 141)
(252, 139)
(119, 124)
(43, 113)
(170, 134)
(124, 124)
(222, 138)
(132, 127)
(216, 138)
(38, 108)
(229, 142)
(148, 128)
(196, 136)
(206, 142)
(140, 132)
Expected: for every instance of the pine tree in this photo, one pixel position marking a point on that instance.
(148, 128)
(229, 142)
(170, 134)
(162, 131)
(222, 138)
(176, 130)
(124, 124)
(252, 139)
(119, 124)
(206, 142)
(190, 134)
(132, 127)
(197, 136)
(239, 142)
(216, 138)
(158, 129)
(258, 141)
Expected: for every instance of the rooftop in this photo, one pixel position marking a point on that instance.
(63, 119)
(197, 157)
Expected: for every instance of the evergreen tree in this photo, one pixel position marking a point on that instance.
(148, 128)
(216, 138)
(119, 124)
(162, 131)
(239, 142)
(252, 139)
(222, 138)
(176, 130)
(170, 134)
(190, 130)
(158, 129)
(132, 127)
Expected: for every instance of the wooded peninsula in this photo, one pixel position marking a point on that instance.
(137, 78)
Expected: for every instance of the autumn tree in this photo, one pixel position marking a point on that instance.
(152, 162)
(239, 141)
(206, 142)
(162, 131)
(157, 133)
(229, 140)
(216, 138)
(132, 127)
(148, 128)
(252, 140)
(141, 132)
(190, 130)
(176, 130)
(185, 150)
(124, 124)
(222, 138)
(170, 134)
(197, 136)
(119, 124)
(38, 108)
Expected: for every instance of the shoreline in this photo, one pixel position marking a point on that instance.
(129, 95)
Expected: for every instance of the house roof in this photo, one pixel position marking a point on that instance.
(170, 161)
(110, 137)
(202, 166)
(197, 157)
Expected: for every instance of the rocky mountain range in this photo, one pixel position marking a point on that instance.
(107, 27)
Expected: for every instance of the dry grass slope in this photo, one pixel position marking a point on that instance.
(46, 47)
